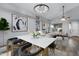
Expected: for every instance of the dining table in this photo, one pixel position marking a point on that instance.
(40, 41)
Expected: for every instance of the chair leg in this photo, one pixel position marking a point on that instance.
(45, 52)
(7, 49)
(53, 51)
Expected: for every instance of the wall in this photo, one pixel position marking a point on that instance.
(75, 27)
(9, 34)
(46, 27)
(65, 27)
(31, 25)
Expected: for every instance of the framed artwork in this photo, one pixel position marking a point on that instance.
(19, 23)
(38, 25)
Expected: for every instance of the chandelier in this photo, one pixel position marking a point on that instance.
(41, 8)
(63, 17)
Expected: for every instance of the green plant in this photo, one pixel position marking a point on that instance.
(35, 34)
(4, 25)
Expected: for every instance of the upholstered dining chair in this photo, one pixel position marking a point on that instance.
(16, 51)
(10, 43)
(52, 47)
(23, 51)
(14, 43)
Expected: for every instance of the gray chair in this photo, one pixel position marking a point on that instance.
(52, 47)
(16, 51)
(14, 43)
(10, 42)
(23, 52)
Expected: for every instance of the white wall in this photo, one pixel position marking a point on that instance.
(31, 25)
(9, 34)
(75, 27)
(65, 27)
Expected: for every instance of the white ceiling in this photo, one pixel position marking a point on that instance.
(55, 9)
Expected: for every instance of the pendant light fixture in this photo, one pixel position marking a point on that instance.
(63, 17)
(52, 26)
(41, 8)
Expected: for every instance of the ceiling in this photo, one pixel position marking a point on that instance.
(55, 10)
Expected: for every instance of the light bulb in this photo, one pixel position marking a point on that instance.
(63, 19)
(52, 26)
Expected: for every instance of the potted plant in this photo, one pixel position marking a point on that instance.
(4, 25)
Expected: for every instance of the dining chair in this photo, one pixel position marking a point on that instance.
(52, 47)
(18, 43)
(14, 43)
(16, 51)
(10, 43)
(23, 51)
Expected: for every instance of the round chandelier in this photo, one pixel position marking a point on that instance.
(41, 8)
